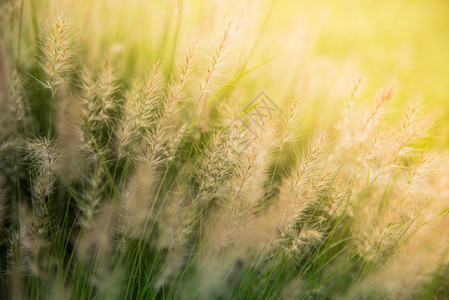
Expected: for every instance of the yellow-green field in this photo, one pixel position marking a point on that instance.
(224, 149)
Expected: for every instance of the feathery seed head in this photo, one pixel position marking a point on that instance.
(57, 52)
(43, 156)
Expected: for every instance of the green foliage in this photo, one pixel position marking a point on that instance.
(119, 184)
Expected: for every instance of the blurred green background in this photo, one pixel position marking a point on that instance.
(323, 45)
(400, 42)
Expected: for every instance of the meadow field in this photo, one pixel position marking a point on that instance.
(201, 149)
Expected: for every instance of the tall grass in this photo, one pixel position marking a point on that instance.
(137, 188)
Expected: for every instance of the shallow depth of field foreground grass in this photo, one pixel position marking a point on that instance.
(211, 150)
